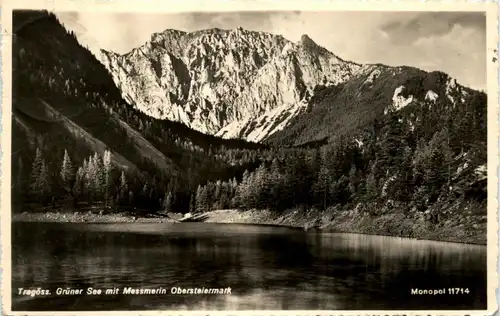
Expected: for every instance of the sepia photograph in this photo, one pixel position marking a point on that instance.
(303, 158)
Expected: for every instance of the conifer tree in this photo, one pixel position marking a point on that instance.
(371, 188)
(78, 185)
(198, 204)
(258, 189)
(353, 180)
(192, 203)
(242, 190)
(218, 190)
(107, 174)
(67, 172)
(168, 203)
(88, 178)
(35, 172)
(392, 143)
(321, 187)
(202, 201)
(122, 189)
(45, 183)
(99, 178)
(123, 180)
(40, 178)
(82, 171)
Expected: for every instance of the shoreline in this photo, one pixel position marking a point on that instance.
(350, 222)
(352, 233)
(86, 217)
(353, 222)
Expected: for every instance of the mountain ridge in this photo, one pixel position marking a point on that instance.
(214, 79)
(347, 108)
(235, 83)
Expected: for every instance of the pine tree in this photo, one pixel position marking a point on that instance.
(403, 186)
(437, 165)
(35, 172)
(300, 175)
(78, 189)
(192, 203)
(67, 172)
(88, 179)
(339, 190)
(123, 180)
(45, 183)
(99, 178)
(447, 157)
(107, 174)
(243, 191)
(198, 199)
(391, 144)
(259, 188)
(353, 181)
(202, 201)
(145, 189)
(276, 185)
(321, 187)
(168, 203)
(82, 172)
(217, 191)
(371, 188)
(40, 178)
(210, 195)
(225, 195)
(122, 188)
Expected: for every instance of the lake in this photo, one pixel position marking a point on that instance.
(266, 267)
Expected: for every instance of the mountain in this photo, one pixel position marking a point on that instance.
(347, 108)
(375, 149)
(261, 87)
(65, 102)
(229, 83)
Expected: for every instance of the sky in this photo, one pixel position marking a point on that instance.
(453, 42)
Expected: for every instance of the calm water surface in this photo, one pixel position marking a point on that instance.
(266, 267)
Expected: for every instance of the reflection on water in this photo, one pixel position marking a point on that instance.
(266, 268)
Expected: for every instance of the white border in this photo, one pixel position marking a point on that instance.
(490, 8)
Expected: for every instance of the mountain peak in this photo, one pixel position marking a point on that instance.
(167, 32)
(305, 39)
(307, 42)
(218, 81)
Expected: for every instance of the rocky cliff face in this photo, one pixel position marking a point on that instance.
(230, 83)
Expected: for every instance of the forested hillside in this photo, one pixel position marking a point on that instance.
(413, 144)
(411, 159)
(424, 155)
(64, 100)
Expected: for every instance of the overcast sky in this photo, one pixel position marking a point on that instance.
(454, 42)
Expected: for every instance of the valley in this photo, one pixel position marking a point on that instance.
(264, 129)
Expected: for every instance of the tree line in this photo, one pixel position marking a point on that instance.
(416, 158)
(430, 152)
(427, 152)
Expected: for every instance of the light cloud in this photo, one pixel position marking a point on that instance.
(453, 42)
